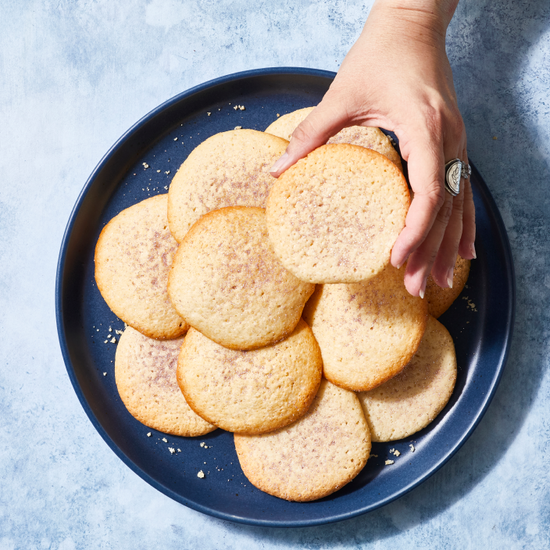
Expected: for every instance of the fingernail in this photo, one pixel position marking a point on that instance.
(450, 277)
(422, 289)
(280, 164)
(473, 251)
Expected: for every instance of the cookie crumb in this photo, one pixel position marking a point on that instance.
(149, 434)
(389, 462)
(104, 374)
(165, 440)
(145, 165)
(172, 450)
(238, 128)
(175, 139)
(470, 304)
(208, 113)
(200, 474)
(411, 446)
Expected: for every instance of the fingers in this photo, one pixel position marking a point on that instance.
(443, 242)
(443, 268)
(426, 172)
(327, 119)
(420, 261)
(435, 225)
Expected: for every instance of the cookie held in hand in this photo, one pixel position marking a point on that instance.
(334, 216)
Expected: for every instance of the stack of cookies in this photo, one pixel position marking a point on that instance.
(269, 308)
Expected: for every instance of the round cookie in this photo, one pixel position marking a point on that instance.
(145, 374)
(250, 392)
(366, 136)
(440, 299)
(133, 256)
(227, 283)
(334, 216)
(228, 169)
(367, 332)
(315, 456)
(410, 401)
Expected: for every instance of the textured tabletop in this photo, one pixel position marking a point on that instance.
(74, 76)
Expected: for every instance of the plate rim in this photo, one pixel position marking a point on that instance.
(59, 290)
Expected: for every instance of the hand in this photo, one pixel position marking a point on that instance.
(397, 76)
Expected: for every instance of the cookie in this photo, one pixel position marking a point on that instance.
(334, 216)
(145, 374)
(227, 283)
(228, 169)
(366, 136)
(315, 456)
(250, 392)
(133, 256)
(440, 299)
(410, 401)
(367, 332)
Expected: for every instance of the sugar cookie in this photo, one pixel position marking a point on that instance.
(315, 456)
(145, 374)
(133, 256)
(227, 283)
(227, 169)
(367, 332)
(251, 392)
(410, 401)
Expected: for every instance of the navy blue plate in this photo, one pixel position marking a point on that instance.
(142, 164)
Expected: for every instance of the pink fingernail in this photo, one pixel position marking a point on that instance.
(280, 164)
(473, 251)
(450, 277)
(422, 290)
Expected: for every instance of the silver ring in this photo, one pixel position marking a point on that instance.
(455, 170)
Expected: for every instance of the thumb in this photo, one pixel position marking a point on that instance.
(326, 120)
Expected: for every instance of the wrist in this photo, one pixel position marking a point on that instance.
(433, 16)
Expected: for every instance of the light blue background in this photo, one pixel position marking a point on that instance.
(74, 76)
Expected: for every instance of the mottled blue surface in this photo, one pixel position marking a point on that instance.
(74, 76)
